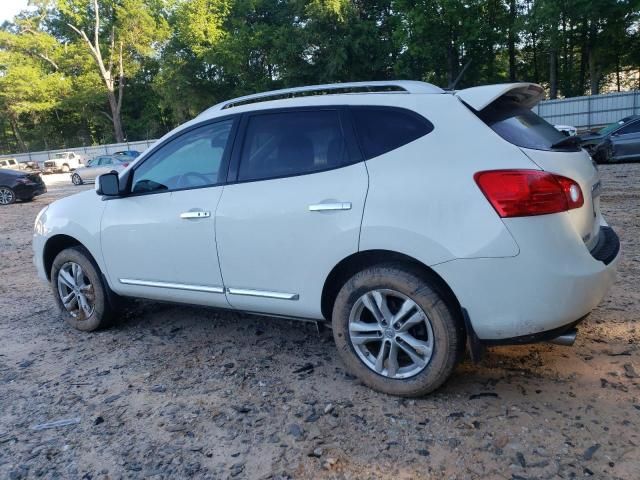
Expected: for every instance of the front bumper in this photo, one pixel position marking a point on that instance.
(551, 284)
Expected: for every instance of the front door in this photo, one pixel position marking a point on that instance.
(294, 212)
(159, 241)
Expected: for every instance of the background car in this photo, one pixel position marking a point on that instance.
(131, 154)
(16, 185)
(63, 162)
(10, 163)
(618, 141)
(568, 130)
(97, 166)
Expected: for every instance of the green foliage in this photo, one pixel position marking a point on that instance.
(181, 56)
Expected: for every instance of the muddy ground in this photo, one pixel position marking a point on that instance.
(179, 392)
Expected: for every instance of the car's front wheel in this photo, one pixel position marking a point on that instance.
(80, 290)
(76, 179)
(396, 332)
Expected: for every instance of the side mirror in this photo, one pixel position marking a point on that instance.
(107, 184)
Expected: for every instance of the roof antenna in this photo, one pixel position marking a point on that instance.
(452, 86)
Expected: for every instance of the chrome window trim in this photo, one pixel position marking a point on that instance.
(262, 293)
(174, 286)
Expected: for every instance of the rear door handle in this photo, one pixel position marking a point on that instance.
(195, 214)
(323, 207)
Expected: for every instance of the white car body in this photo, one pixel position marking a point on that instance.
(568, 130)
(265, 246)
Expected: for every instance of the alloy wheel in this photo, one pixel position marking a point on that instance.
(75, 291)
(6, 196)
(391, 334)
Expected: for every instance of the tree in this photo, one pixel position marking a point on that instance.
(132, 30)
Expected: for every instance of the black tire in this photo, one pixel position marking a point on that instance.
(7, 196)
(447, 328)
(65, 168)
(76, 179)
(102, 313)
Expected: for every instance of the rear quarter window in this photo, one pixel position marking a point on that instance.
(383, 129)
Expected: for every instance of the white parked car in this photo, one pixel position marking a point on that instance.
(62, 162)
(567, 130)
(414, 220)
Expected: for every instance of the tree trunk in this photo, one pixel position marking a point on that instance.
(115, 117)
(512, 40)
(16, 133)
(553, 74)
(594, 80)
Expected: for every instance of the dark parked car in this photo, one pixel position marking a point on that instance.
(616, 142)
(18, 185)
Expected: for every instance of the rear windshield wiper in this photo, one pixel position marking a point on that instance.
(573, 141)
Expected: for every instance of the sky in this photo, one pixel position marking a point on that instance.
(8, 8)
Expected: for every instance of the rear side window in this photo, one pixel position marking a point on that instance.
(382, 129)
(292, 143)
(521, 127)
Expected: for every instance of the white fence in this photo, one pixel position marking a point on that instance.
(86, 152)
(588, 112)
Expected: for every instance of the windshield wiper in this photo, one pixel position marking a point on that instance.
(573, 141)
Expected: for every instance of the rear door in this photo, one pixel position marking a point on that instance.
(293, 211)
(626, 142)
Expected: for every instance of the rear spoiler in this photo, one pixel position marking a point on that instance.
(526, 94)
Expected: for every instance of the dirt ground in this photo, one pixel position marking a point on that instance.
(179, 392)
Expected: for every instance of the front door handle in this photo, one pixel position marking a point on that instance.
(323, 207)
(195, 214)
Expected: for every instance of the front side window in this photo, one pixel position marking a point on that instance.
(191, 160)
(382, 129)
(292, 143)
(522, 127)
(632, 128)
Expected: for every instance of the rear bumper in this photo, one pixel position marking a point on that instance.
(25, 192)
(554, 282)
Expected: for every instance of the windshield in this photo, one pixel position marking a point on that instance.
(60, 155)
(610, 128)
(521, 127)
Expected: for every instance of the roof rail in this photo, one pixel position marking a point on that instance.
(391, 86)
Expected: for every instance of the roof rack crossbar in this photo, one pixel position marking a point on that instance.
(401, 86)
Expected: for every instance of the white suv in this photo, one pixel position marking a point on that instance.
(412, 219)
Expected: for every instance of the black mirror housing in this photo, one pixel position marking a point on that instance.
(108, 185)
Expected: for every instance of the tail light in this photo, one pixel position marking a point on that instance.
(522, 193)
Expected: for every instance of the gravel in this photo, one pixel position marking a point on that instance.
(173, 391)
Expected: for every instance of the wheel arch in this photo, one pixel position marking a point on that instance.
(358, 261)
(55, 245)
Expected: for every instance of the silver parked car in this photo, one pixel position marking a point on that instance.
(97, 166)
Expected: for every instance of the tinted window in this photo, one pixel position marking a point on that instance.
(292, 143)
(633, 128)
(381, 130)
(521, 127)
(191, 160)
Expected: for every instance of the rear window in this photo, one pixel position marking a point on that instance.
(382, 129)
(521, 127)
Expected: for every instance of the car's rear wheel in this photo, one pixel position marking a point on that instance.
(76, 179)
(80, 291)
(7, 196)
(65, 168)
(396, 332)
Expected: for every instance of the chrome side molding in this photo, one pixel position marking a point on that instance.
(262, 293)
(175, 286)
